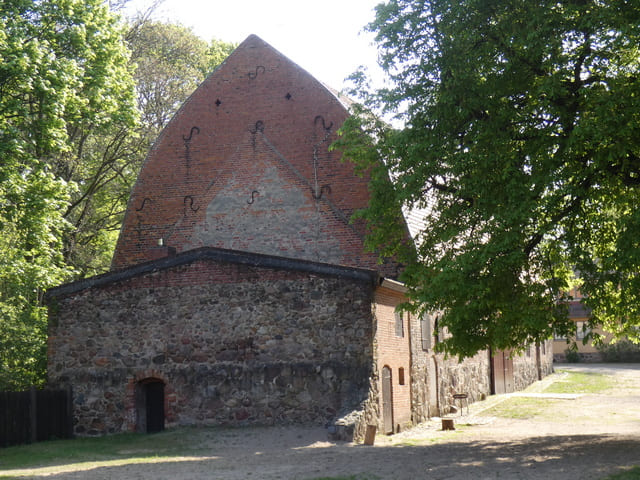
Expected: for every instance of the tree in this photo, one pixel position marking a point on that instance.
(63, 74)
(167, 62)
(171, 61)
(521, 148)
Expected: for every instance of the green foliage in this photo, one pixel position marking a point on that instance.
(71, 147)
(31, 261)
(632, 474)
(581, 382)
(521, 149)
(63, 76)
(572, 356)
(171, 61)
(621, 351)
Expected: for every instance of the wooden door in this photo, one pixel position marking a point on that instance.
(155, 406)
(497, 373)
(432, 388)
(508, 372)
(150, 406)
(501, 372)
(387, 401)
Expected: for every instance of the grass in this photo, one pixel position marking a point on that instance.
(633, 474)
(439, 437)
(349, 477)
(576, 382)
(110, 450)
(569, 382)
(519, 408)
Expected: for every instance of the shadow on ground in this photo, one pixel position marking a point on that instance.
(553, 457)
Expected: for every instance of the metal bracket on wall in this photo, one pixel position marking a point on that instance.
(324, 125)
(189, 198)
(144, 202)
(187, 147)
(254, 193)
(259, 69)
(188, 139)
(317, 191)
(324, 189)
(258, 127)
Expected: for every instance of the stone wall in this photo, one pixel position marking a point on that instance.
(435, 378)
(535, 363)
(233, 344)
(471, 376)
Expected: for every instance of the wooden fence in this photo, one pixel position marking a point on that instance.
(34, 416)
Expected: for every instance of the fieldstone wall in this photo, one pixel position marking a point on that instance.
(471, 376)
(436, 378)
(233, 344)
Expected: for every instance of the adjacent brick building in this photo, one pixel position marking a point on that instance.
(240, 290)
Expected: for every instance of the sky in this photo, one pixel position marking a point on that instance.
(325, 37)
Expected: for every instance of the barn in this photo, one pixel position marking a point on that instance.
(240, 290)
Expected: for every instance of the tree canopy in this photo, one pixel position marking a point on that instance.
(71, 145)
(166, 63)
(63, 73)
(171, 61)
(520, 148)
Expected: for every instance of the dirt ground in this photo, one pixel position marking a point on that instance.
(576, 437)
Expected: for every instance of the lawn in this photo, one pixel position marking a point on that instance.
(568, 382)
(633, 474)
(127, 448)
(580, 382)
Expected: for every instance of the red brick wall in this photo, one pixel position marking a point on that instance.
(245, 165)
(393, 352)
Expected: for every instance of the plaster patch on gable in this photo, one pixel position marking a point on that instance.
(261, 212)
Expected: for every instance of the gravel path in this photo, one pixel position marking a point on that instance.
(580, 437)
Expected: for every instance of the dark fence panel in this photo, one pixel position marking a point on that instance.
(34, 416)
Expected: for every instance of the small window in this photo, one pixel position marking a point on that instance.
(401, 376)
(582, 330)
(436, 330)
(557, 336)
(399, 324)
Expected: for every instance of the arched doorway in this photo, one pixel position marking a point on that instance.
(387, 401)
(150, 405)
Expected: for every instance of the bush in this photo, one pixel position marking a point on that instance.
(572, 356)
(622, 351)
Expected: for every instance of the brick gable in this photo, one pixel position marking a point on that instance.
(245, 164)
